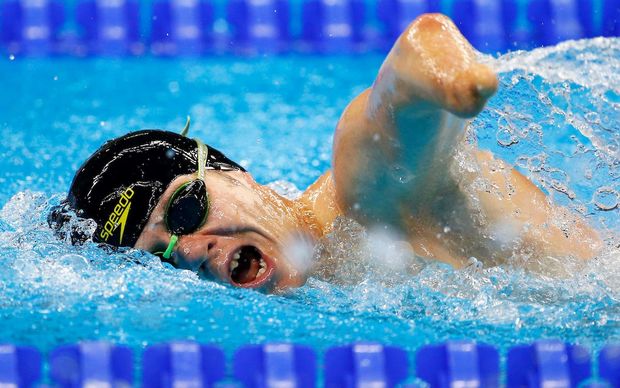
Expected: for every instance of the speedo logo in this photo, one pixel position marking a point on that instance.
(118, 217)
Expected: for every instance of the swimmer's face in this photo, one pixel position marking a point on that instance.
(243, 239)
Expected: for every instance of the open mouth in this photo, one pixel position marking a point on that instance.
(248, 267)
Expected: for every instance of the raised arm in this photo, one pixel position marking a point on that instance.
(396, 138)
(395, 158)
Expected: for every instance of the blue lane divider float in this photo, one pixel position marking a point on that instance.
(91, 363)
(554, 21)
(259, 25)
(181, 27)
(275, 365)
(365, 365)
(109, 27)
(333, 26)
(611, 18)
(186, 364)
(458, 364)
(609, 364)
(20, 366)
(547, 363)
(518, 34)
(188, 27)
(31, 27)
(396, 15)
(190, 364)
(485, 23)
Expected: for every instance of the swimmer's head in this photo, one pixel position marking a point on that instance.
(129, 185)
(121, 183)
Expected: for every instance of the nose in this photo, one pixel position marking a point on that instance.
(200, 253)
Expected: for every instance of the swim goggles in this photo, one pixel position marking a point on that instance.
(188, 207)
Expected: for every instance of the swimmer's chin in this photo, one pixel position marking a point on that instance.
(284, 285)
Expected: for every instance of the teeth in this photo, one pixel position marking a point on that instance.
(234, 263)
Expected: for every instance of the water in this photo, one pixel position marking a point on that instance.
(556, 117)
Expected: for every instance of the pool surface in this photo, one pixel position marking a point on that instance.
(556, 117)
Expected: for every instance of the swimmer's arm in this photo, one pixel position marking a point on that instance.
(506, 196)
(394, 152)
(395, 139)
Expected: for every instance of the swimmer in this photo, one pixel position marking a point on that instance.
(400, 161)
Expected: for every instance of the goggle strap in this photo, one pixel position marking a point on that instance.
(185, 130)
(203, 153)
(171, 244)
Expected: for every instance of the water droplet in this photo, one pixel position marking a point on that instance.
(592, 117)
(173, 87)
(606, 198)
(505, 137)
(401, 174)
(76, 262)
(474, 262)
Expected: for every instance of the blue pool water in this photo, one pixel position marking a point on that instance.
(556, 116)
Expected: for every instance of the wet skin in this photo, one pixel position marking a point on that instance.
(399, 162)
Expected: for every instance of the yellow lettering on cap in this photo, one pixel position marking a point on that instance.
(118, 216)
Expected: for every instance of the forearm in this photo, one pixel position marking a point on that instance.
(395, 141)
(382, 166)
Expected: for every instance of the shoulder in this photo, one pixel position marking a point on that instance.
(319, 204)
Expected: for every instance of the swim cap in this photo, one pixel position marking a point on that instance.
(121, 183)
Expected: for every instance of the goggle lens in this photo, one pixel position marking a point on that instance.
(188, 208)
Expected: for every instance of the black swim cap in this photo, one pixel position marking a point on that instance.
(121, 183)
